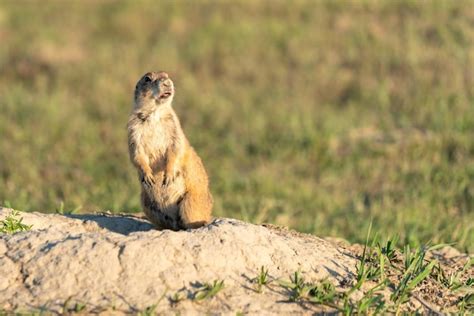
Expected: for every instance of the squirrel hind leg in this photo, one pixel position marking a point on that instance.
(195, 210)
(151, 210)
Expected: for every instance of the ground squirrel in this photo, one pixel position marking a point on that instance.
(175, 189)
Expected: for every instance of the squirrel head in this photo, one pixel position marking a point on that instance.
(154, 89)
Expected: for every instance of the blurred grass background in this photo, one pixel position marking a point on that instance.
(319, 115)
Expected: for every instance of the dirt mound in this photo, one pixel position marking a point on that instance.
(121, 264)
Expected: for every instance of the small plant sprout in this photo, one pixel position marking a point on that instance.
(370, 302)
(416, 270)
(366, 270)
(261, 279)
(323, 293)
(208, 290)
(466, 304)
(297, 287)
(389, 249)
(68, 307)
(151, 310)
(13, 223)
(60, 209)
(79, 306)
(452, 280)
(177, 297)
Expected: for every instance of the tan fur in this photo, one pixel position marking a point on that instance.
(175, 189)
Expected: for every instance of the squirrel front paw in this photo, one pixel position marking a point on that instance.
(148, 180)
(169, 176)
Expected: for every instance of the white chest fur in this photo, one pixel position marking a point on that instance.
(154, 135)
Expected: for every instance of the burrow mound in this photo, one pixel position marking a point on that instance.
(122, 263)
(117, 264)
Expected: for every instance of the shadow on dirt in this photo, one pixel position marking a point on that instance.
(124, 224)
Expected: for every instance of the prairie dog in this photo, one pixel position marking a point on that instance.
(174, 184)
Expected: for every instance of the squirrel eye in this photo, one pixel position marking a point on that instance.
(147, 79)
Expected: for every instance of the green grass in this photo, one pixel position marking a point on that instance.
(322, 293)
(261, 279)
(13, 223)
(71, 307)
(297, 287)
(149, 311)
(177, 297)
(466, 305)
(208, 290)
(452, 280)
(405, 273)
(152, 309)
(318, 115)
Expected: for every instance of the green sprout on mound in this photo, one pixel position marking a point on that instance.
(261, 279)
(13, 223)
(208, 290)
